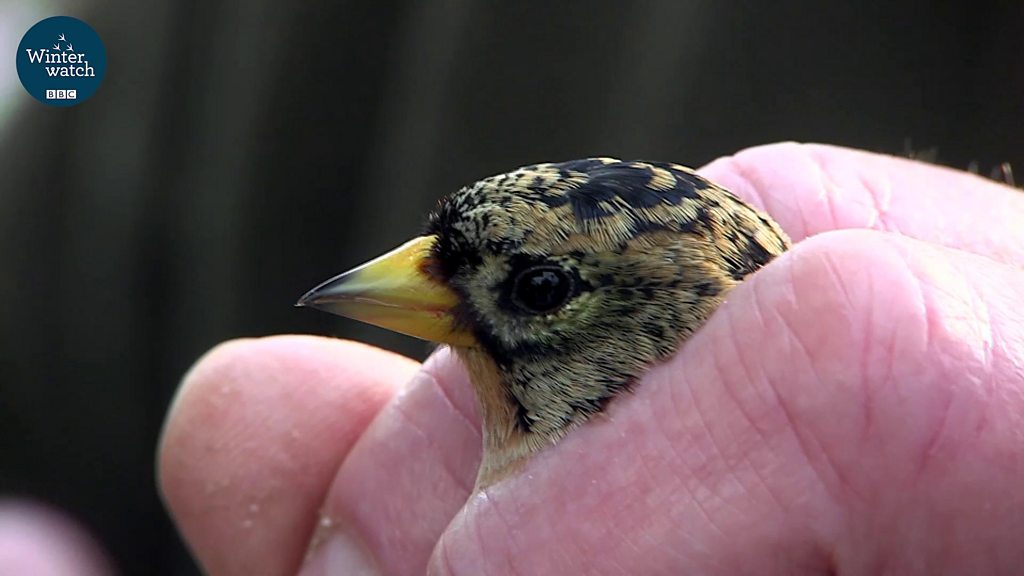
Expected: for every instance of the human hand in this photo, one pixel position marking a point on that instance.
(39, 540)
(857, 406)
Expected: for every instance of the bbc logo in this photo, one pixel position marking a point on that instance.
(62, 94)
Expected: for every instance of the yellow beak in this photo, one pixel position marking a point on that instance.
(393, 291)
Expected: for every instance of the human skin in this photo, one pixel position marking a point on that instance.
(855, 407)
(39, 540)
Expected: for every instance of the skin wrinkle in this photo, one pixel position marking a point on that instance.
(348, 515)
(429, 372)
(567, 556)
(930, 446)
(644, 464)
(891, 352)
(650, 539)
(669, 447)
(752, 192)
(617, 566)
(988, 340)
(474, 529)
(879, 191)
(772, 387)
(831, 267)
(699, 548)
(945, 419)
(445, 555)
(989, 361)
(651, 481)
(929, 318)
(801, 209)
(665, 436)
(843, 481)
(745, 367)
(972, 302)
(610, 535)
(713, 488)
(1004, 199)
(695, 408)
(407, 420)
(828, 192)
(644, 535)
(763, 483)
(513, 546)
(750, 187)
(868, 186)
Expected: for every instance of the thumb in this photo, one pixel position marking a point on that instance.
(837, 414)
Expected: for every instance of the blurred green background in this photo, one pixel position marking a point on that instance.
(238, 153)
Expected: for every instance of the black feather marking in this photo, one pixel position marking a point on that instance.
(692, 180)
(707, 288)
(754, 257)
(654, 330)
(751, 256)
(689, 226)
(638, 227)
(522, 414)
(554, 200)
(703, 216)
(450, 254)
(628, 182)
(585, 209)
(584, 165)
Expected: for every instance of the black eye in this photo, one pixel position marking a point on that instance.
(542, 289)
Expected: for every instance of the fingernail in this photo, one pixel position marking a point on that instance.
(342, 552)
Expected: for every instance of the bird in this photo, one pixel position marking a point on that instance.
(558, 285)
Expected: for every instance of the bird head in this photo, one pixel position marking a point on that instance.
(559, 285)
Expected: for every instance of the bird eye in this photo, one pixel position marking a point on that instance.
(542, 289)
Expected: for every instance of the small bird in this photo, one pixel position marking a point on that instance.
(558, 285)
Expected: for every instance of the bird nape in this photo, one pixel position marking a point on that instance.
(559, 285)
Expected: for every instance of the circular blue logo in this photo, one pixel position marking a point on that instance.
(61, 61)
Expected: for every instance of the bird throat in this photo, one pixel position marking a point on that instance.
(506, 445)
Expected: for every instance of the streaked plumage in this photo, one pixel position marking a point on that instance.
(562, 283)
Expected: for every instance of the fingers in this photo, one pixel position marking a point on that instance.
(271, 438)
(254, 438)
(813, 188)
(407, 476)
(42, 542)
(738, 440)
(851, 407)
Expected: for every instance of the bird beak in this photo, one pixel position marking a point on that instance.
(395, 292)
